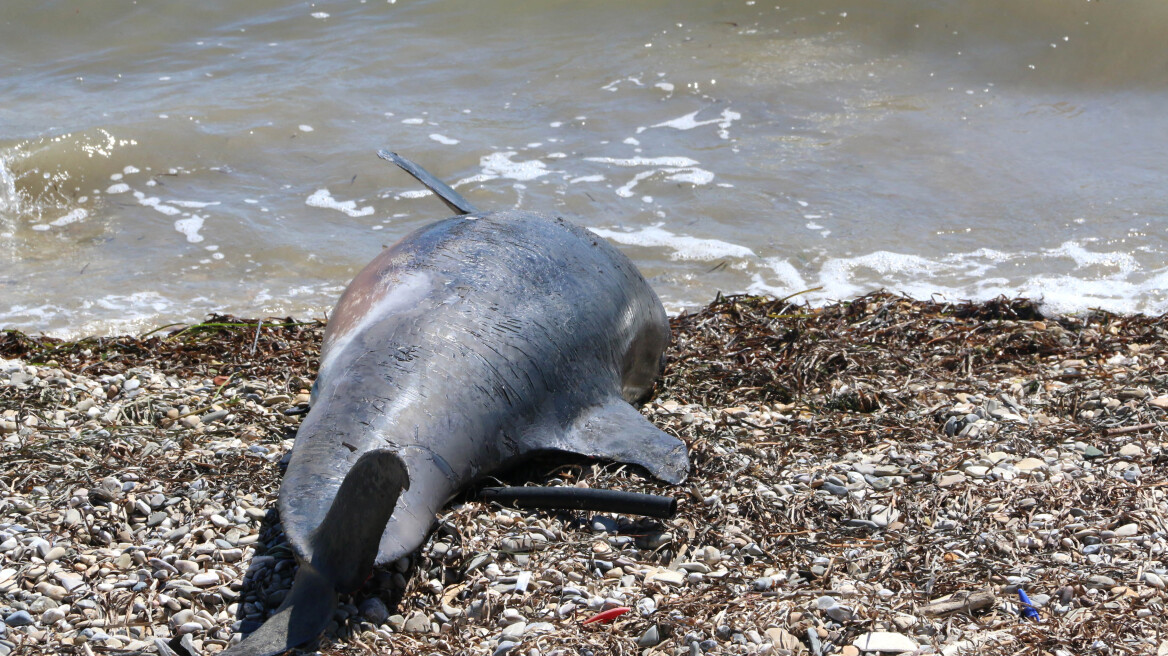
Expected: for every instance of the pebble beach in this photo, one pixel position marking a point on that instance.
(882, 475)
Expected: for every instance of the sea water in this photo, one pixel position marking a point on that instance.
(160, 162)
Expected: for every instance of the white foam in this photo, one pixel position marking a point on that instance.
(1113, 281)
(675, 162)
(322, 198)
(320, 14)
(75, 215)
(130, 170)
(684, 247)
(443, 139)
(414, 121)
(692, 175)
(195, 204)
(416, 193)
(587, 178)
(690, 121)
(155, 203)
(190, 227)
(626, 190)
(306, 128)
(479, 177)
(499, 164)
(119, 188)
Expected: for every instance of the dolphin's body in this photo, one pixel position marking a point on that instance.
(470, 344)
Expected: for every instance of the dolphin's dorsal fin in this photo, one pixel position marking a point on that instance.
(614, 430)
(449, 196)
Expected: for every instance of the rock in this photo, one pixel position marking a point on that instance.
(837, 490)
(70, 581)
(418, 623)
(514, 630)
(56, 553)
(650, 638)
(604, 524)
(977, 471)
(1160, 402)
(1154, 580)
(961, 601)
(396, 622)
(850, 650)
(841, 613)
(885, 517)
(1091, 453)
(1127, 530)
(1029, 464)
(205, 580)
(54, 615)
(374, 610)
(951, 480)
(1100, 582)
(1131, 451)
(885, 641)
(781, 639)
(666, 576)
(19, 618)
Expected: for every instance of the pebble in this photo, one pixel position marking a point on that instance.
(782, 639)
(1127, 530)
(374, 610)
(950, 480)
(1029, 464)
(650, 638)
(885, 641)
(53, 615)
(417, 623)
(56, 553)
(1131, 451)
(19, 618)
(205, 580)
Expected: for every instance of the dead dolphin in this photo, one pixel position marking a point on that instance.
(470, 344)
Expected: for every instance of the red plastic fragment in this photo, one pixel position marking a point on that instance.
(608, 615)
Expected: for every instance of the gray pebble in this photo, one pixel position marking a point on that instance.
(374, 610)
(19, 618)
(603, 524)
(650, 638)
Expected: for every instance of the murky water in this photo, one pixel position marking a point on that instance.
(158, 163)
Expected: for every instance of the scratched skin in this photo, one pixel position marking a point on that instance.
(471, 343)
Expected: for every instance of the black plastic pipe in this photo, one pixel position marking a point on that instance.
(582, 498)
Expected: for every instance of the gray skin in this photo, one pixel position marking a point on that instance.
(472, 343)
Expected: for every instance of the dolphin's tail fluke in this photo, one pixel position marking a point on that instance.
(449, 196)
(340, 555)
(303, 616)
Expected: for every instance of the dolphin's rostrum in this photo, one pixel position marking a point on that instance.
(470, 344)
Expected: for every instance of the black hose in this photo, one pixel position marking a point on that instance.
(582, 498)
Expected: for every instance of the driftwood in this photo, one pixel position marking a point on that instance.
(959, 601)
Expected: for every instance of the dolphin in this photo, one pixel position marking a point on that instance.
(469, 345)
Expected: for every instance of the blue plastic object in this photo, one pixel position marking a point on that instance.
(1027, 609)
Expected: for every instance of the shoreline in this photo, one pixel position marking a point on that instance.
(853, 466)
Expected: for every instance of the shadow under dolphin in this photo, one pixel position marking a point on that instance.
(470, 345)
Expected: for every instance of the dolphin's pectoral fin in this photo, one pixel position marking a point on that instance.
(344, 546)
(616, 431)
(303, 616)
